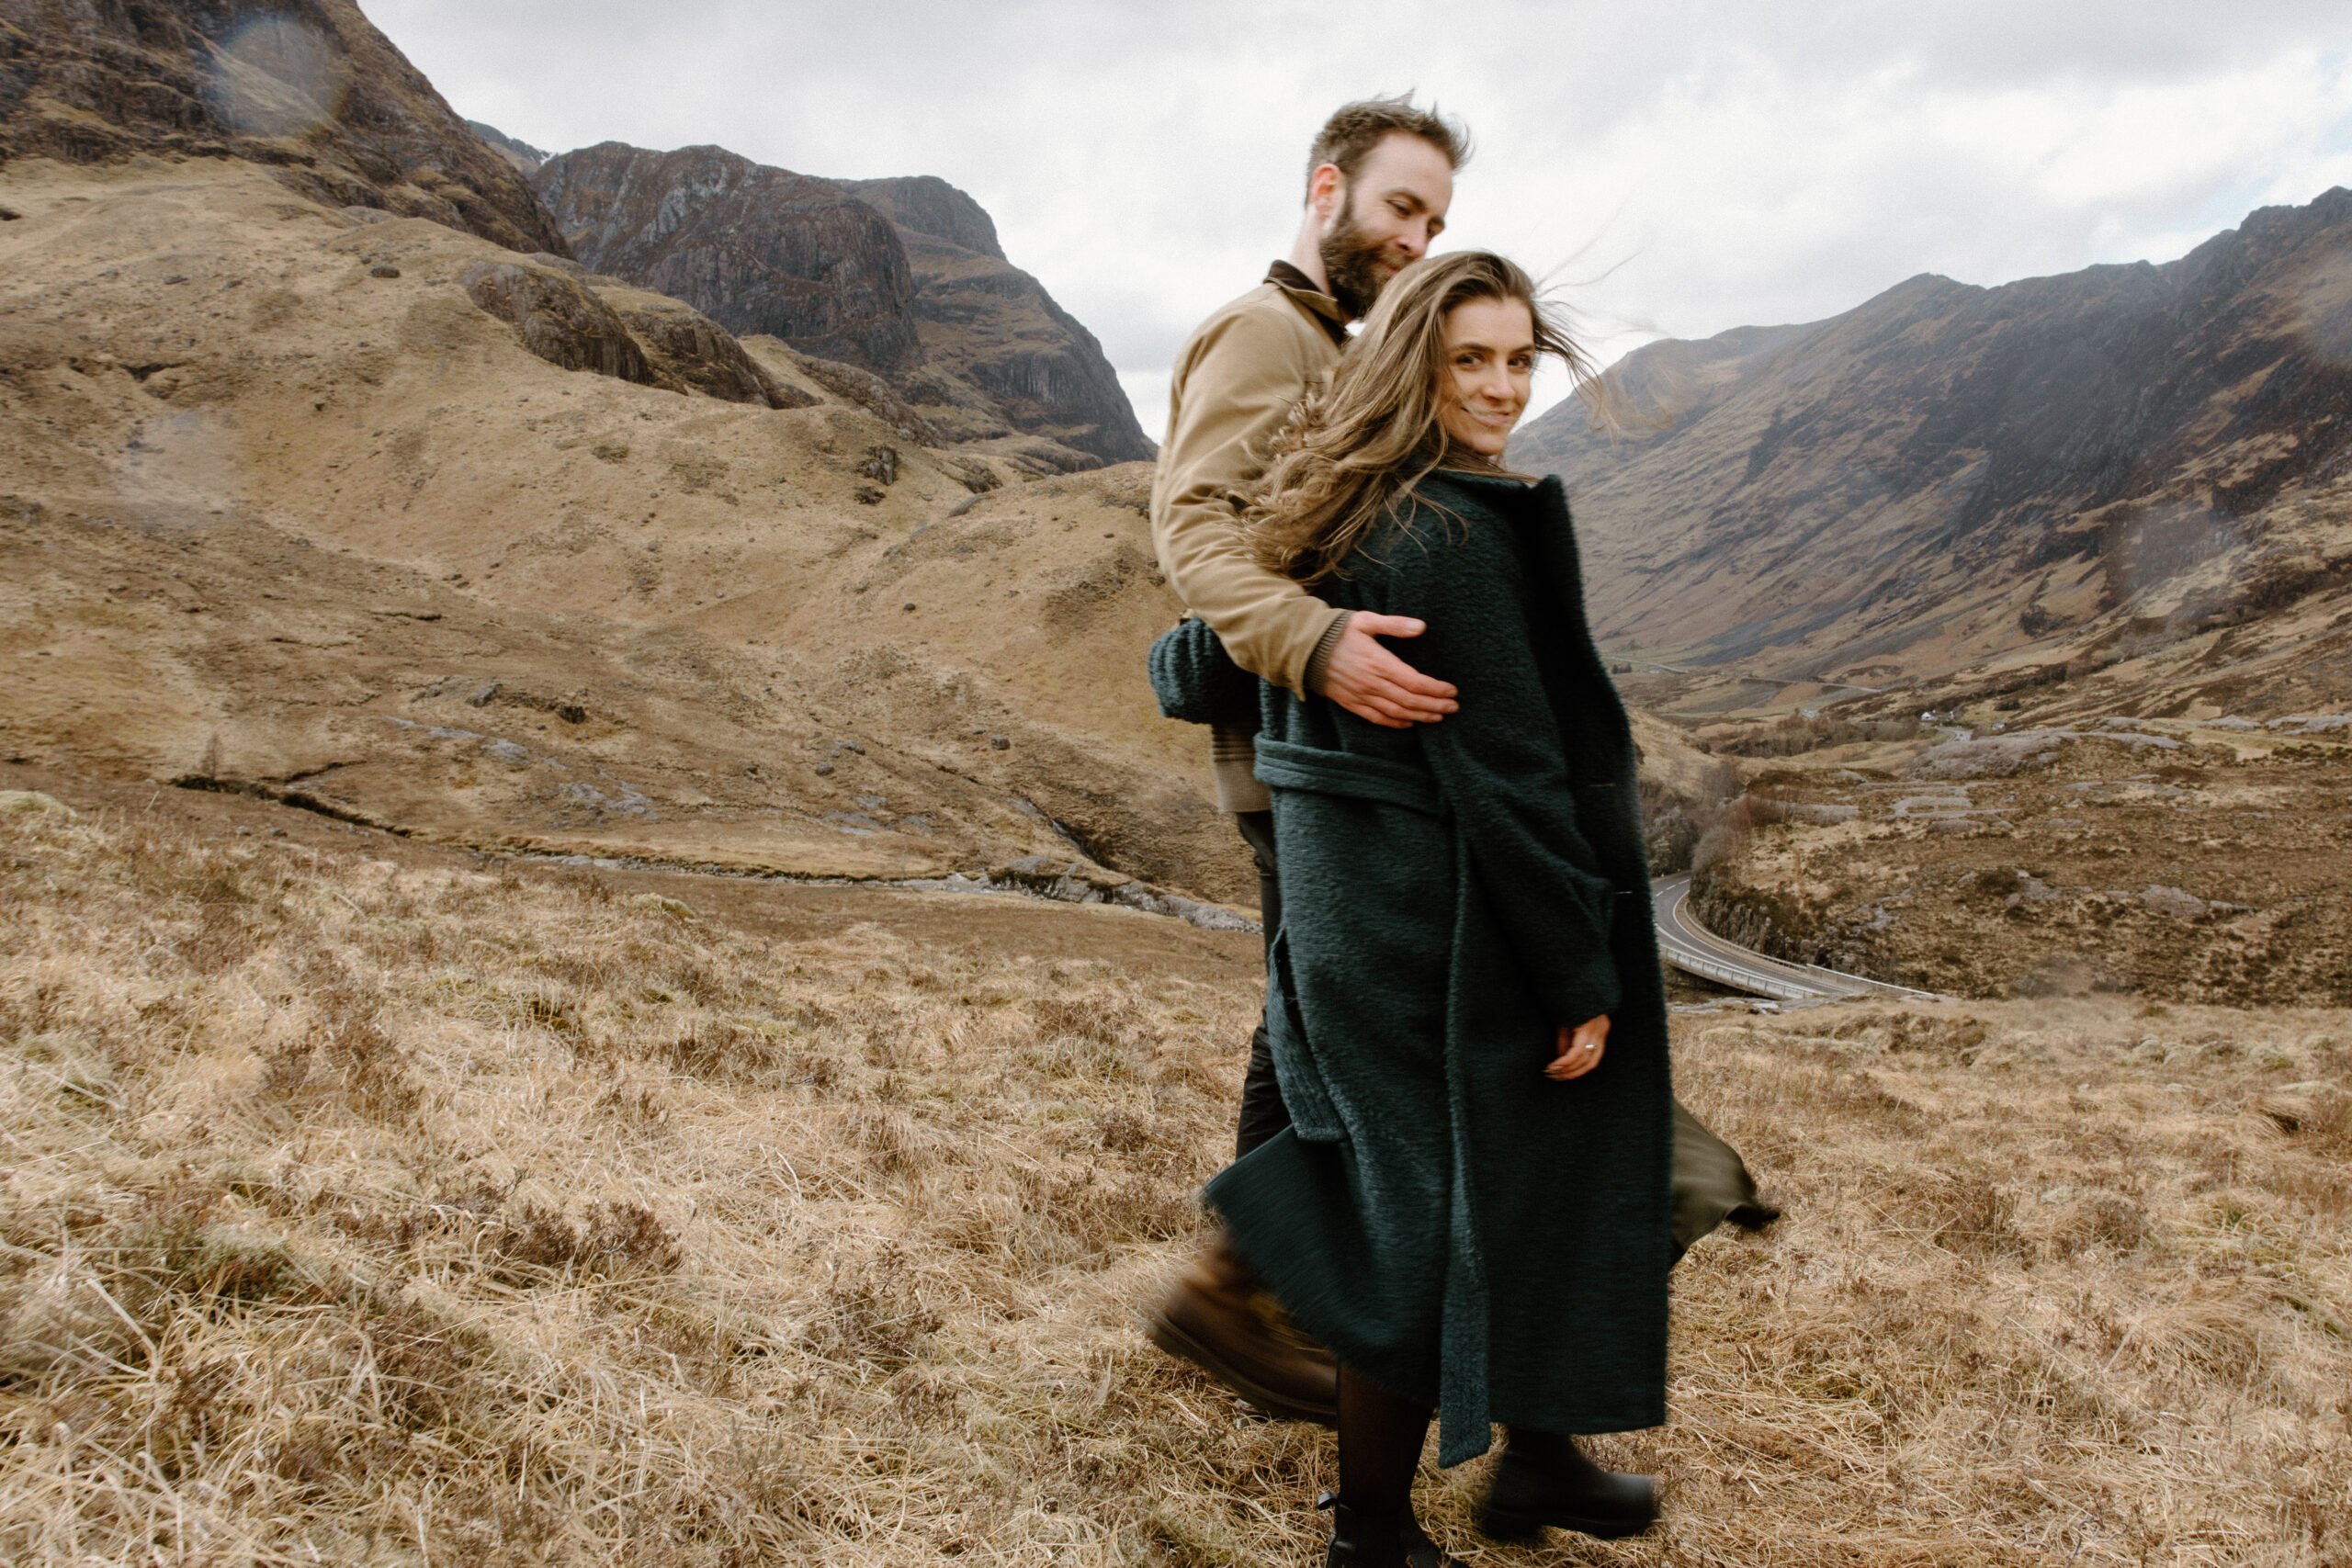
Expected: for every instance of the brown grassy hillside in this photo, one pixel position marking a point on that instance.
(370, 1202)
(287, 510)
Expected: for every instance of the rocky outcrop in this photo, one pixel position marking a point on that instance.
(902, 278)
(758, 249)
(927, 205)
(561, 321)
(697, 353)
(1949, 470)
(851, 385)
(308, 88)
(614, 330)
(989, 325)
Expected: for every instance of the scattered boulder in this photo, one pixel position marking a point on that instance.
(1989, 756)
(2174, 902)
(2031, 889)
(21, 802)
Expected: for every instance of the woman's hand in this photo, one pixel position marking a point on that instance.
(1579, 1051)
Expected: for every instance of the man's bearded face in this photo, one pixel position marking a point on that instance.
(1357, 264)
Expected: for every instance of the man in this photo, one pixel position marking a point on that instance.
(1380, 178)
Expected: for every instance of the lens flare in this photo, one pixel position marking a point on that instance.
(276, 76)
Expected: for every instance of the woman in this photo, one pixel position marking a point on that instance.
(1471, 1207)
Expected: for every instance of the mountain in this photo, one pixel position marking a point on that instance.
(903, 277)
(992, 326)
(522, 155)
(758, 249)
(306, 88)
(1949, 473)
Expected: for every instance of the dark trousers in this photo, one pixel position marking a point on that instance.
(1262, 1112)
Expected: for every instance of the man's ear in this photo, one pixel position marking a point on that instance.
(1327, 191)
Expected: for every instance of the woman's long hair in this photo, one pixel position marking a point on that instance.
(1372, 432)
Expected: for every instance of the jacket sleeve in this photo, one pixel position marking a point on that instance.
(1501, 762)
(1235, 386)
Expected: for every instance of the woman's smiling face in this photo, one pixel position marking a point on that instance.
(1489, 364)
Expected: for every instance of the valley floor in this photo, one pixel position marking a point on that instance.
(367, 1201)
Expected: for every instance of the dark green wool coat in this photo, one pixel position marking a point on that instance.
(1453, 1224)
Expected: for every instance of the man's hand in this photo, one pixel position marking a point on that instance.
(1368, 681)
(1579, 1050)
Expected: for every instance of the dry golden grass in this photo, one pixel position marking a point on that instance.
(356, 1212)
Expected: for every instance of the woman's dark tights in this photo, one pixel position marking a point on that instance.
(1380, 1446)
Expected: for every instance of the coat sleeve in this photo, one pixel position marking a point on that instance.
(1234, 386)
(1501, 762)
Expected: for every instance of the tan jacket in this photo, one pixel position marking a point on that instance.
(1237, 382)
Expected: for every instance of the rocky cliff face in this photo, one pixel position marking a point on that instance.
(991, 325)
(307, 87)
(929, 206)
(902, 276)
(1948, 471)
(758, 249)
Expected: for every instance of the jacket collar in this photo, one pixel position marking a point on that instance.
(1300, 290)
(1547, 496)
(1486, 485)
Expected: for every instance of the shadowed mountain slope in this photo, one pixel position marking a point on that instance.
(902, 276)
(307, 88)
(1948, 472)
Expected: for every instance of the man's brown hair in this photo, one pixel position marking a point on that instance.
(1356, 128)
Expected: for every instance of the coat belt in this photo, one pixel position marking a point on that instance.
(1283, 764)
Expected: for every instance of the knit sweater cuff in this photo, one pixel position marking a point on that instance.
(1319, 661)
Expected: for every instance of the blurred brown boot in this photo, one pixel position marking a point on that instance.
(1223, 1320)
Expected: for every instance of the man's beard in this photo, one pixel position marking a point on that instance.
(1353, 265)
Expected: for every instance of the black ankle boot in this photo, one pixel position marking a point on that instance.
(1378, 1541)
(1545, 1478)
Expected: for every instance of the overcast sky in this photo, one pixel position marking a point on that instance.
(1679, 166)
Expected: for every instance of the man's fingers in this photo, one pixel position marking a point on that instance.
(1382, 702)
(1373, 683)
(1399, 683)
(1386, 714)
(1364, 621)
(1382, 665)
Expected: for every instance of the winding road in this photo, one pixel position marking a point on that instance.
(1693, 949)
